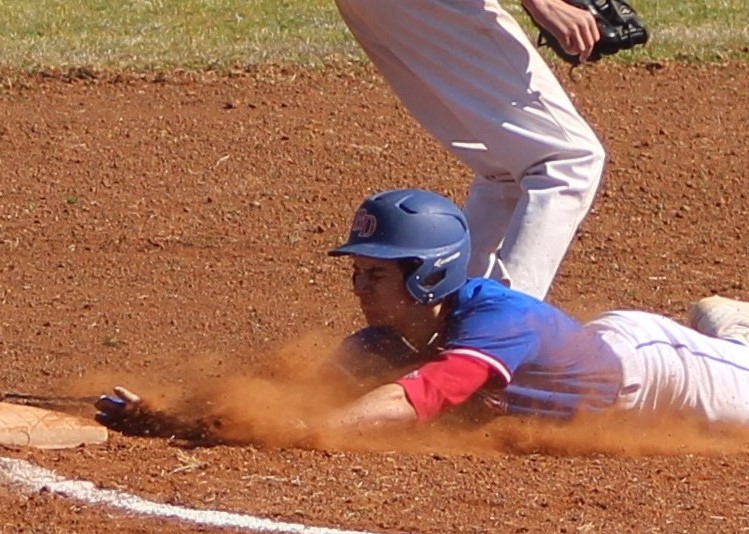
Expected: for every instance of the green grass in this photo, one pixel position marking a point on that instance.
(146, 34)
(701, 29)
(204, 34)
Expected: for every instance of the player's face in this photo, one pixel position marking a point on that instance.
(383, 296)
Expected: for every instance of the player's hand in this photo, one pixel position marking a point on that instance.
(125, 412)
(113, 410)
(575, 29)
(128, 413)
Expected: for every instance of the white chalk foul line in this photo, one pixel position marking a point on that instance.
(30, 477)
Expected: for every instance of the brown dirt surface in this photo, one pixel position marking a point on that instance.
(168, 232)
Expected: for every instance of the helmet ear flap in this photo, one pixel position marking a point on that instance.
(421, 283)
(433, 279)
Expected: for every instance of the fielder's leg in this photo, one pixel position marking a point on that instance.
(489, 208)
(471, 77)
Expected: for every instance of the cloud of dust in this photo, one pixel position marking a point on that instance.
(267, 401)
(617, 433)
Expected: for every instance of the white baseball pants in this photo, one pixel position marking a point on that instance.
(669, 368)
(469, 74)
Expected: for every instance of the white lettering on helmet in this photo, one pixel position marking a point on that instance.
(444, 261)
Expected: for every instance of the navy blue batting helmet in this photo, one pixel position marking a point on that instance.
(411, 223)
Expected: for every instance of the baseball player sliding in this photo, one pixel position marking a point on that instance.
(469, 74)
(438, 341)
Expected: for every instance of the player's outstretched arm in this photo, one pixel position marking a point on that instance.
(126, 412)
(382, 407)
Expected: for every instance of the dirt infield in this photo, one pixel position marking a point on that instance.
(168, 232)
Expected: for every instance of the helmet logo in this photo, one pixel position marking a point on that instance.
(447, 259)
(364, 224)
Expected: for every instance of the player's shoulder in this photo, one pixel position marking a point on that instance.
(375, 351)
(486, 301)
(482, 292)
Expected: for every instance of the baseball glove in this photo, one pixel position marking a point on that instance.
(619, 24)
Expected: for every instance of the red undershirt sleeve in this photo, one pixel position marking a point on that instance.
(441, 384)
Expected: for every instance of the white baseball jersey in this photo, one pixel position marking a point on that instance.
(468, 73)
